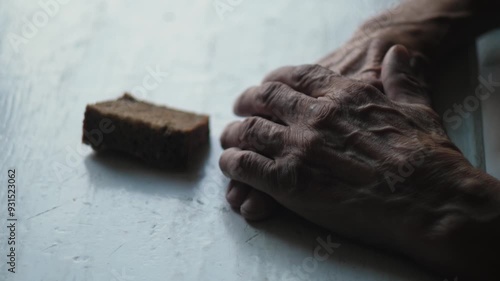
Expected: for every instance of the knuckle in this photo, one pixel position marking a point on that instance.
(321, 113)
(258, 134)
(307, 70)
(244, 160)
(310, 146)
(311, 75)
(272, 135)
(271, 91)
(251, 126)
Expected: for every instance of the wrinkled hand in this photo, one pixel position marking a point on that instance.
(254, 204)
(338, 149)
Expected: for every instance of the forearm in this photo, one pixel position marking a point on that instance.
(434, 27)
(481, 12)
(465, 18)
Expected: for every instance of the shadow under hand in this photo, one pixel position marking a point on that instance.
(347, 260)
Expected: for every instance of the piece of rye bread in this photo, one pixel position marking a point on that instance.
(161, 136)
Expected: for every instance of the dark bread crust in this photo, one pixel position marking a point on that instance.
(159, 135)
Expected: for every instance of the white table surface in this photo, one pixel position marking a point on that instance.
(84, 217)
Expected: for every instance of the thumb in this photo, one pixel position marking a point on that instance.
(400, 80)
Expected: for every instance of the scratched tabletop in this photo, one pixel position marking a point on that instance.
(82, 216)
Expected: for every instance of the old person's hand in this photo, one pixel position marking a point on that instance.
(255, 205)
(372, 166)
(311, 130)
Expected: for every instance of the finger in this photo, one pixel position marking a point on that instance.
(400, 81)
(313, 80)
(258, 206)
(237, 193)
(372, 64)
(251, 203)
(255, 134)
(249, 167)
(273, 99)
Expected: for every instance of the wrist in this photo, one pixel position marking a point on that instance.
(460, 231)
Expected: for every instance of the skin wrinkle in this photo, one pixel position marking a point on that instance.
(378, 110)
(453, 210)
(436, 215)
(316, 83)
(337, 152)
(292, 108)
(304, 76)
(354, 142)
(441, 227)
(286, 176)
(249, 135)
(371, 72)
(385, 130)
(346, 161)
(356, 55)
(354, 64)
(271, 91)
(371, 69)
